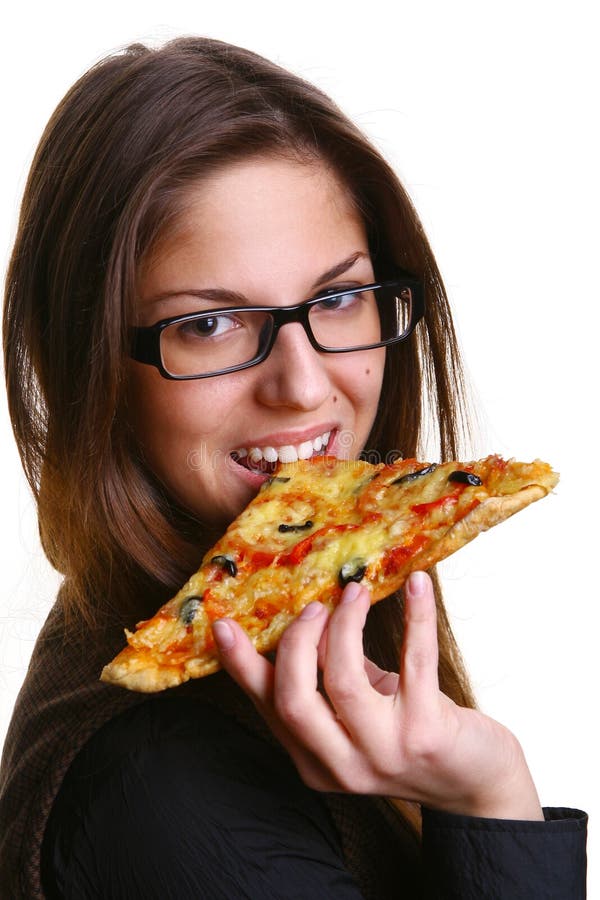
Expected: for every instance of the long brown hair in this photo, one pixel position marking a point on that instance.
(111, 172)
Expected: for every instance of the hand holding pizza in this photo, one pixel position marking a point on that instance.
(377, 732)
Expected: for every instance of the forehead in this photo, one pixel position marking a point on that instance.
(263, 218)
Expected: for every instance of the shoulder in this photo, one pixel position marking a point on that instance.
(175, 793)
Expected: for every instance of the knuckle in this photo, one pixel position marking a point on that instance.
(339, 687)
(348, 784)
(352, 782)
(386, 767)
(353, 775)
(345, 686)
(291, 640)
(419, 657)
(312, 779)
(422, 745)
(291, 709)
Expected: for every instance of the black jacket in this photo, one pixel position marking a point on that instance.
(174, 799)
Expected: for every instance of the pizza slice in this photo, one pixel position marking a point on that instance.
(314, 526)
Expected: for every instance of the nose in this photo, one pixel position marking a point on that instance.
(294, 374)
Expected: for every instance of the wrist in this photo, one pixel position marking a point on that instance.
(521, 806)
(510, 795)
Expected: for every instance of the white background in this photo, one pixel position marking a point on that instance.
(488, 111)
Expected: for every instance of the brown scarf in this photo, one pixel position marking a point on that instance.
(62, 703)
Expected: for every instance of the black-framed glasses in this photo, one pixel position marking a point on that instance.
(218, 341)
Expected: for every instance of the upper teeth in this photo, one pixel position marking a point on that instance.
(287, 453)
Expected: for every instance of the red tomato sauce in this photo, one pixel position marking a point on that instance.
(423, 509)
(303, 548)
(215, 607)
(395, 558)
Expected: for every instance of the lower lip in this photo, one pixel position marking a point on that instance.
(254, 479)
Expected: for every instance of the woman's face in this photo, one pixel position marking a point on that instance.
(266, 232)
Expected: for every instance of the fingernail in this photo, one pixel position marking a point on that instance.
(224, 636)
(417, 583)
(350, 592)
(312, 610)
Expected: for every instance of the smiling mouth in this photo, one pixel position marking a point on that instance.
(266, 459)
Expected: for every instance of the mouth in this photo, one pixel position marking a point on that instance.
(264, 460)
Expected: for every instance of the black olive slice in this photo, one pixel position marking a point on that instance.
(227, 563)
(307, 525)
(360, 487)
(189, 608)
(465, 478)
(412, 476)
(275, 479)
(353, 570)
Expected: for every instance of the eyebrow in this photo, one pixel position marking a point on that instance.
(338, 270)
(225, 295)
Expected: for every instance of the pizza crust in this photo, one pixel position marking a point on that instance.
(132, 671)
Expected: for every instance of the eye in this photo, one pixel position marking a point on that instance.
(340, 300)
(208, 326)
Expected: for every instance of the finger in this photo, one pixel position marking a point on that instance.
(298, 702)
(322, 649)
(384, 682)
(253, 672)
(346, 681)
(296, 669)
(419, 684)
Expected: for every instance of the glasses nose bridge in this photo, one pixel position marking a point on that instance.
(288, 315)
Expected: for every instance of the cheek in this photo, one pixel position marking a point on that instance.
(172, 418)
(365, 378)
(358, 381)
(181, 427)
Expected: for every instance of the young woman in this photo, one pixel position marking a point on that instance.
(180, 182)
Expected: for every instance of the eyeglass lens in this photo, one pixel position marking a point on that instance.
(213, 342)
